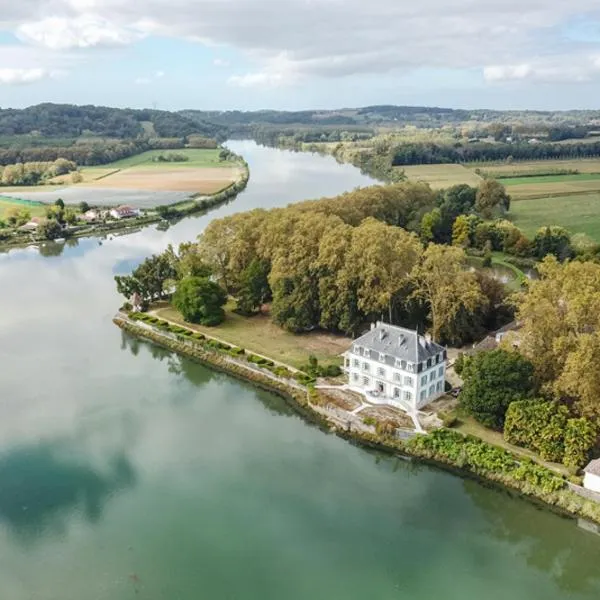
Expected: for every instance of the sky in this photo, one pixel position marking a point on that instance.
(300, 54)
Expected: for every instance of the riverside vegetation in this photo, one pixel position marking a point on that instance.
(337, 263)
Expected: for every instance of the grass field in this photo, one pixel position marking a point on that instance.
(6, 204)
(576, 213)
(258, 334)
(442, 176)
(197, 157)
(547, 179)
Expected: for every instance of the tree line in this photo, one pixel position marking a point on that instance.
(430, 153)
(87, 154)
(33, 173)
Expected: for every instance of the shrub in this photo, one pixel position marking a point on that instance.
(199, 336)
(539, 426)
(580, 438)
(126, 307)
(370, 421)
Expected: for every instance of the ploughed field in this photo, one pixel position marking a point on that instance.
(140, 181)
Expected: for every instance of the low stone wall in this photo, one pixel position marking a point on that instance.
(584, 492)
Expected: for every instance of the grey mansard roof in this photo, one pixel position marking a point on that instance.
(399, 343)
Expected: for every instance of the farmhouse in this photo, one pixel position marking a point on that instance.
(123, 212)
(591, 480)
(397, 366)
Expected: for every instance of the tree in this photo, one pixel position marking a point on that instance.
(577, 379)
(442, 283)
(581, 436)
(148, 279)
(491, 199)
(60, 203)
(200, 300)
(565, 301)
(461, 231)
(492, 380)
(70, 216)
(84, 206)
(76, 177)
(254, 290)
(430, 224)
(49, 229)
(17, 216)
(553, 240)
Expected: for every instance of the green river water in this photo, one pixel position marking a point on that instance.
(127, 472)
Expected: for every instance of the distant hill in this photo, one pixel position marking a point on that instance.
(70, 121)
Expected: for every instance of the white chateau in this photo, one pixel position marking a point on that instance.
(396, 366)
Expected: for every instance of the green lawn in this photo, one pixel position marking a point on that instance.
(550, 179)
(198, 157)
(258, 334)
(577, 213)
(37, 209)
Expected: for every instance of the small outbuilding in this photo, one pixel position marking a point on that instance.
(591, 480)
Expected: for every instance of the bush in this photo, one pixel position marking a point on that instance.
(492, 380)
(370, 421)
(580, 438)
(199, 336)
(539, 426)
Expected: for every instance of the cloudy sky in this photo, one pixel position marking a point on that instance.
(292, 54)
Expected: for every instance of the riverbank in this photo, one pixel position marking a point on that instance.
(448, 449)
(167, 213)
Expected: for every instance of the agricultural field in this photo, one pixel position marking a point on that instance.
(586, 165)
(141, 182)
(576, 213)
(442, 176)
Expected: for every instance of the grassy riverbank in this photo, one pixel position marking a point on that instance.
(446, 448)
(259, 334)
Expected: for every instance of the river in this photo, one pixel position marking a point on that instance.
(127, 472)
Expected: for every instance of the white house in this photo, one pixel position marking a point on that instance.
(591, 479)
(396, 366)
(123, 212)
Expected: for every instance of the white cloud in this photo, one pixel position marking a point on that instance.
(574, 69)
(159, 74)
(12, 76)
(329, 38)
(220, 62)
(84, 31)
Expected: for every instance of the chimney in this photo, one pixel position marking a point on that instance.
(428, 338)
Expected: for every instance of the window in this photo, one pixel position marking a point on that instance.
(374, 355)
(428, 363)
(365, 381)
(347, 362)
(410, 367)
(432, 390)
(423, 395)
(355, 376)
(408, 380)
(438, 386)
(396, 392)
(438, 357)
(397, 377)
(403, 364)
(432, 376)
(356, 363)
(407, 395)
(365, 366)
(381, 372)
(424, 380)
(440, 371)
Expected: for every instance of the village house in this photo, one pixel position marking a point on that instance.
(124, 212)
(396, 366)
(591, 479)
(90, 215)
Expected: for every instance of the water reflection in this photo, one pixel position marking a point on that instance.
(565, 553)
(40, 489)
